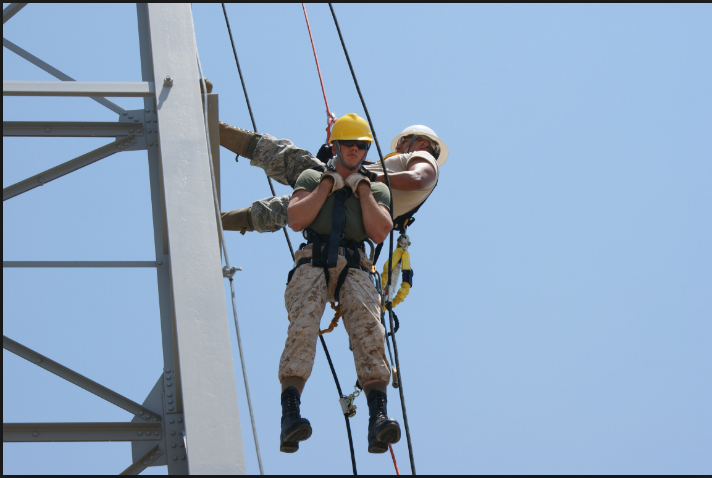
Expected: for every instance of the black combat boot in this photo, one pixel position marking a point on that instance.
(294, 427)
(382, 430)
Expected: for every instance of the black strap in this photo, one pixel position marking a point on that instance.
(338, 221)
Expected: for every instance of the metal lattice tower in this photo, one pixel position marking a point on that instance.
(194, 401)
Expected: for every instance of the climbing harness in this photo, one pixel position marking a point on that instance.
(330, 117)
(390, 249)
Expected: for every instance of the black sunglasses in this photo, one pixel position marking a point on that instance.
(359, 144)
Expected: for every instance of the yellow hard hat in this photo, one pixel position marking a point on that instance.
(351, 127)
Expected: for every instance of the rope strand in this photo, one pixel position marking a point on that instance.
(390, 249)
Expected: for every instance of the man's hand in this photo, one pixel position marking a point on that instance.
(369, 174)
(356, 180)
(337, 181)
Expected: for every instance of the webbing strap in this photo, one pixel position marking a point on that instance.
(338, 221)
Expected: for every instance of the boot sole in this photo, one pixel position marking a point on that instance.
(290, 444)
(389, 435)
(377, 447)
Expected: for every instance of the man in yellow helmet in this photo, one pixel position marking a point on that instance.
(413, 168)
(339, 209)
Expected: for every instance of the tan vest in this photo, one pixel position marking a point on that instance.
(405, 201)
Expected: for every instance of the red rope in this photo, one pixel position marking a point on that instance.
(331, 118)
(394, 460)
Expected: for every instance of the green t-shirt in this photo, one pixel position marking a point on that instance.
(353, 229)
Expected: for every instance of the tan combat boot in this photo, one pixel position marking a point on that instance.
(239, 141)
(237, 220)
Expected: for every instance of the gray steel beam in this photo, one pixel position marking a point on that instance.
(47, 264)
(55, 72)
(77, 432)
(80, 129)
(65, 168)
(79, 380)
(201, 326)
(11, 10)
(137, 89)
(144, 462)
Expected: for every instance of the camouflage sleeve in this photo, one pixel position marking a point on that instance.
(270, 214)
(281, 160)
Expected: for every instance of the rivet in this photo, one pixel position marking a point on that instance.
(159, 452)
(172, 432)
(130, 116)
(151, 457)
(156, 433)
(140, 412)
(34, 434)
(46, 130)
(180, 420)
(139, 433)
(171, 421)
(169, 384)
(168, 81)
(148, 121)
(148, 433)
(149, 131)
(40, 180)
(131, 131)
(150, 144)
(124, 113)
(182, 445)
(170, 394)
(145, 462)
(138, 130)
(170, 401)
(38, 360)
(173, 445)
(182, 457)
(147, 110)
(174, 458)
(170, 409)
(136, 120)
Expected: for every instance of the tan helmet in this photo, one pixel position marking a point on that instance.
(438, 145)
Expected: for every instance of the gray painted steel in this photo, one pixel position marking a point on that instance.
(144, 462)
(55, 72)
(65, 168)
(11, 10)
(79, 380)
(77, 432)
(136, 89)
(207, 376)
(82, 129)
(80, 264)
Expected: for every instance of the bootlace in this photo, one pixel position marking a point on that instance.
(379, 407)
(292, 412)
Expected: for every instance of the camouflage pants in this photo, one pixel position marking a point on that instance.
(305, 300)
(283, 162)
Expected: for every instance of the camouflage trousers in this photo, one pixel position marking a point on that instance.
(283, 162)
(305, 300)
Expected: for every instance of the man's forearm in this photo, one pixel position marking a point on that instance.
(376, 220)
(303, 210)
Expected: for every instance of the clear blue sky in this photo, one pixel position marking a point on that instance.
(561, 314)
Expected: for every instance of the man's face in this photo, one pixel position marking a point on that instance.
(352, 155)
(418, 145)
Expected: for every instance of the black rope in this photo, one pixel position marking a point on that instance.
(338, 388)
(390, 250)
(252, 117)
